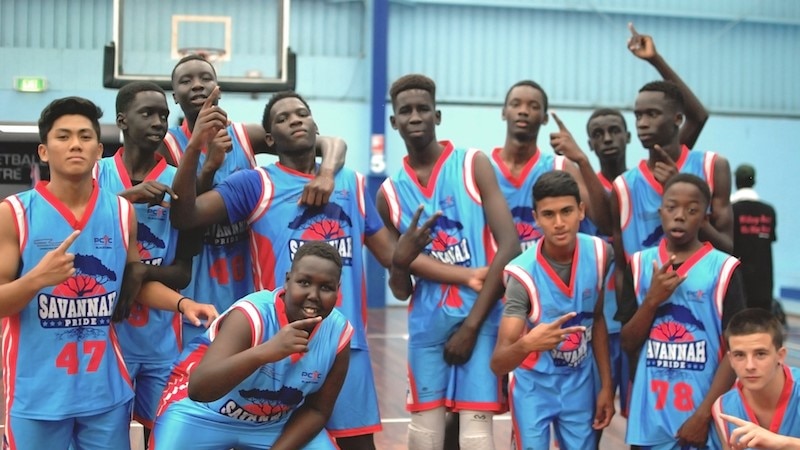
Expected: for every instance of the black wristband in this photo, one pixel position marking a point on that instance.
(178, 306)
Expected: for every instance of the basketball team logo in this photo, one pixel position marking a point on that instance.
(148, 242)
(329, 223)
(448, 246)
(226, 233)
(672, 344)
(575, 347)
(263, 405)
(526, 227)
(81, 300)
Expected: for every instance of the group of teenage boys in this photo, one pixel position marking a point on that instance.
(286, 365)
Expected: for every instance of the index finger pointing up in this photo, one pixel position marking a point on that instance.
(560, 124)
(211, 100)
(632, 29)
(68, 241)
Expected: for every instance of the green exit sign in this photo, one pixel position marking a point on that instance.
(30, 84)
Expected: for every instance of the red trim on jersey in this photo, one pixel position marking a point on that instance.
(344, 338)
(523, 175)
(663, 256)
(412, 399)
(41, 188)
(712, 167)
(254, 339)
(240, 130)
(604, 181)
(456, 406)
(350, 432)
(651, 179)
(112, 335)
(780, 409)
(516, 435)
(185, 128)
(294, 172)
(20, 224)
(551, 273)
(531, 360)
(427, 191)
(124, 176)
(177, 328)
(11, 332)
(173, 148)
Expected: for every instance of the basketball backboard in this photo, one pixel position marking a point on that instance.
(246, 40)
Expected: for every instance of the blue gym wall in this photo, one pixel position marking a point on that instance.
(741, 57)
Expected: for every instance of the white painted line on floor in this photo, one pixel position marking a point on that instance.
(387, 336)
(504, 417)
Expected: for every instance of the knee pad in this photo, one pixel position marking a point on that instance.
(426, 430)
(475, 430)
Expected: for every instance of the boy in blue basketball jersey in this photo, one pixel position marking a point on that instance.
(57, 307)
(452, 329)
(267, 200)
(150, 339)
(267, 373)
(222, 270)
(520, 162)
(675, 303)
(767, 392)
(557, 282)
(637, 193)
(608, 138)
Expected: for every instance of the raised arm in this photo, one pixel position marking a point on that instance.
(635, 331)
(231, 357)
(515, 343)
(643, 47)
(592, 191)
(620, 260)
(719, 230)
(55, 267)
(458, 348)
(425, 266)
(333, 151)
(188, 210)
(397, 254)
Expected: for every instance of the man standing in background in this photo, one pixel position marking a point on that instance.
(753, 234)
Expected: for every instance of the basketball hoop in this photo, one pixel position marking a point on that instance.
(210, 54)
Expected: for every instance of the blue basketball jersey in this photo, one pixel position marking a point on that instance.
(639, 197)
(269, 396)
(610, 294)
(149, 335)
(785, 420)
(62, 357)
(221, 272)
(266, 198)
(550, 299)
(518, 191)
(680, 357)
(461, 237)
